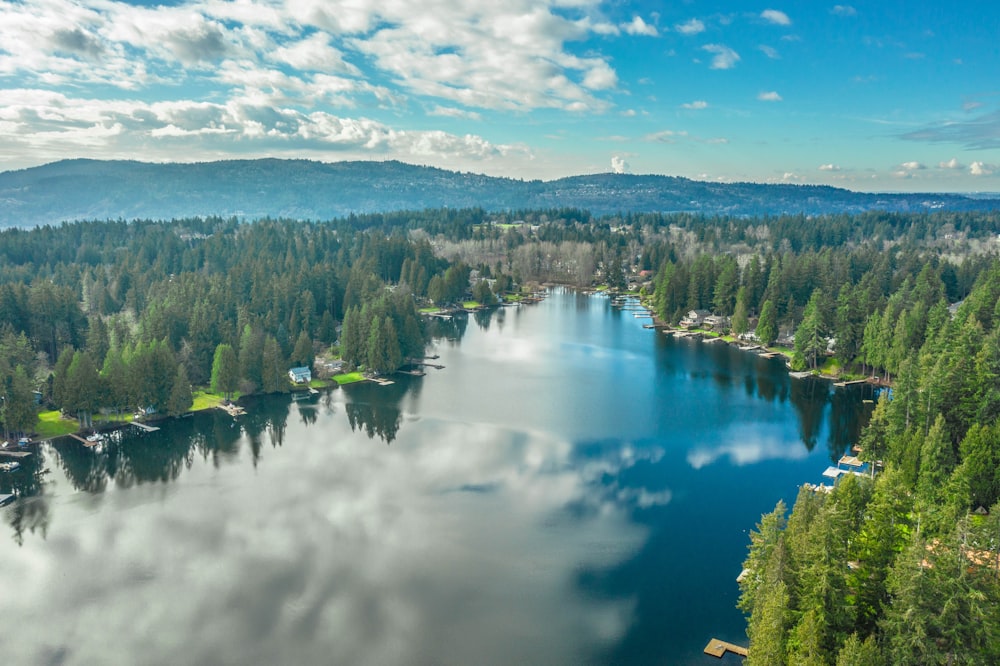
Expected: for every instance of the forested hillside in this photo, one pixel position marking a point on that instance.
(905, 568)
(120, 316)
(305, 190)
(98, 301)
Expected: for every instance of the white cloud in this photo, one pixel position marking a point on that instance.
(640, 27)
(953, 163)
(769, 96)
(692, 27)
(314, 54)
(912, 166)
(981, 169)
(776, 17)
(725, 57)
(451, 112)
(665, 136)
(829, 167)
(619, 165)
(696, 105)
(844, 10)
(770, 52)
(203, 130)
(458, 52)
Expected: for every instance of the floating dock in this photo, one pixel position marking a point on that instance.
(143, 426)
(15, 454)
(852, 461)
(233, 410)
(83, 441)
(718, 648)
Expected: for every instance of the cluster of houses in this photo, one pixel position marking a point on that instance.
(705, 319)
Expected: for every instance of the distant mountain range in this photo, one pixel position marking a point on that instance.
(302, 189)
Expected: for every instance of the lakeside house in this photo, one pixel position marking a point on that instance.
(705, 319)
(300, 375)
(695, 318)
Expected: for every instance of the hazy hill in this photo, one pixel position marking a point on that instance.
(91, 189)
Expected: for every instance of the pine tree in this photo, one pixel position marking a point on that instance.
(225, 371)
(809, 336)
(273, 377)
(181, 398)
(767, 325)
(741, 319)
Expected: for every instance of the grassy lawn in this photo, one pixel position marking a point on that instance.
(349, 378)
(830, 367)
(50, 424)
(469, 305)
(429, 310)
(205, 400)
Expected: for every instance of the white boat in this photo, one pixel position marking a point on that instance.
(9, 466)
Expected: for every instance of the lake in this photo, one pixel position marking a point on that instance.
(570, 488)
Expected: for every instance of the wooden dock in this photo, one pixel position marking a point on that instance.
(232, 410)
(852, 461)
(15, 454)
(82, 440)
(718, 648)
(853, 382)
(144, 427)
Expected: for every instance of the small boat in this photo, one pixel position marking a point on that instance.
(96, 437)
(23, 442)
(9, 466)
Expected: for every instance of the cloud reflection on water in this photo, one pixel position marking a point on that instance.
(747, 444)
(336, 551)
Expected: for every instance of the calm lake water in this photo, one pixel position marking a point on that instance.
(570, 489)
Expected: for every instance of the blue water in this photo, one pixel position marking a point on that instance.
(570, 489)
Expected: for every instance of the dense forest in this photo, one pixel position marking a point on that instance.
(118, 316)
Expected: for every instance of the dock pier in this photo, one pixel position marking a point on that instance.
(144, 427)
(718, 648)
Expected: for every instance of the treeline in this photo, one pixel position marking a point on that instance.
(115, 316)
(905, 568)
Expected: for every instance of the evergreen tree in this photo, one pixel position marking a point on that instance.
(809, 336)
(181, 397)
(767, 325)
(225, 371)
(82, 388)
(302, 354)
(741, 319)
(19, 413)
(274, 377)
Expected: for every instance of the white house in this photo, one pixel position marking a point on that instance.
(301, 375)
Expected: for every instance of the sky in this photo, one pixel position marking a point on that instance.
(874, 96)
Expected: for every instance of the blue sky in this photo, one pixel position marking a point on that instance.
(878, 96)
